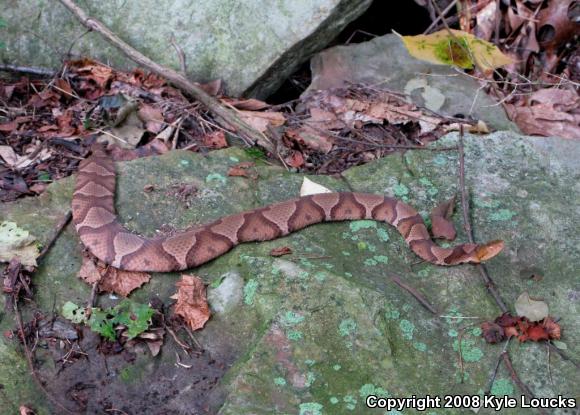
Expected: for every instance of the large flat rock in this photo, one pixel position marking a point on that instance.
(317, 331)
(252, 45)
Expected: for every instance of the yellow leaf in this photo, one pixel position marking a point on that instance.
(462, 49)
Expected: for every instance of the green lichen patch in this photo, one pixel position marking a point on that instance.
(347, 327)
(401, 190)
(407, 329)
(469, 352)
(311, 408)
(250, 291)
(502, 387)
(502, 215)
(291, 318)
(215, 178)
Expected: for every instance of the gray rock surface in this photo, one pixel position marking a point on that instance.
(385, 63)
(227, 294)
(317, 331)
(252, 45)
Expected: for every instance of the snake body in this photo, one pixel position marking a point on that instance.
(97, 224)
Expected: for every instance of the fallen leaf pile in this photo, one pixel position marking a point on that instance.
(46, 127)
(522, 328)
(533, 323)
(554, 111)
(524, 52)
(539, 88)
(337, 128)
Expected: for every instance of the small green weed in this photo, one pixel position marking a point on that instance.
(134, 316)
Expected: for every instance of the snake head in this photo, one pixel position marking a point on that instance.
(473, 253)
(487, 251)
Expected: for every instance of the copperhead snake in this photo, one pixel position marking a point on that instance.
(100, 231)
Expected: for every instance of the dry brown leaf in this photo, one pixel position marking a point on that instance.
(251, 104)
(89, 272)
(122, 282)
(9, 156)
(154, 347)
(506, 326)
(557, 22)
(192, 301)
(166, 133)
(280, 251)
(64, 87)
(320, 118)
(6, 91)
(111, 279)
(215, 139)
(261, 120)
(152, 148)
(47, 128)
(242, 170)
(489, 250)
(212, 87)
(441, 226)
(552, 328)
(532, 309)
(237, 172)
(492, 332)
(295, 159)
(353, 111)
(485, 19)
(129, 133)
(93, 70)
(152, 117)
(549, 112)
(153, 339)
(312, 138)
(44, 98)
(16, 242)
(9, 126)
(38, 188)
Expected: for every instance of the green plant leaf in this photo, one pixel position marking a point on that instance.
(100, 322)
(217, 282)
(136, 317)
(44, 176)
(255, 153)
(74, 313)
